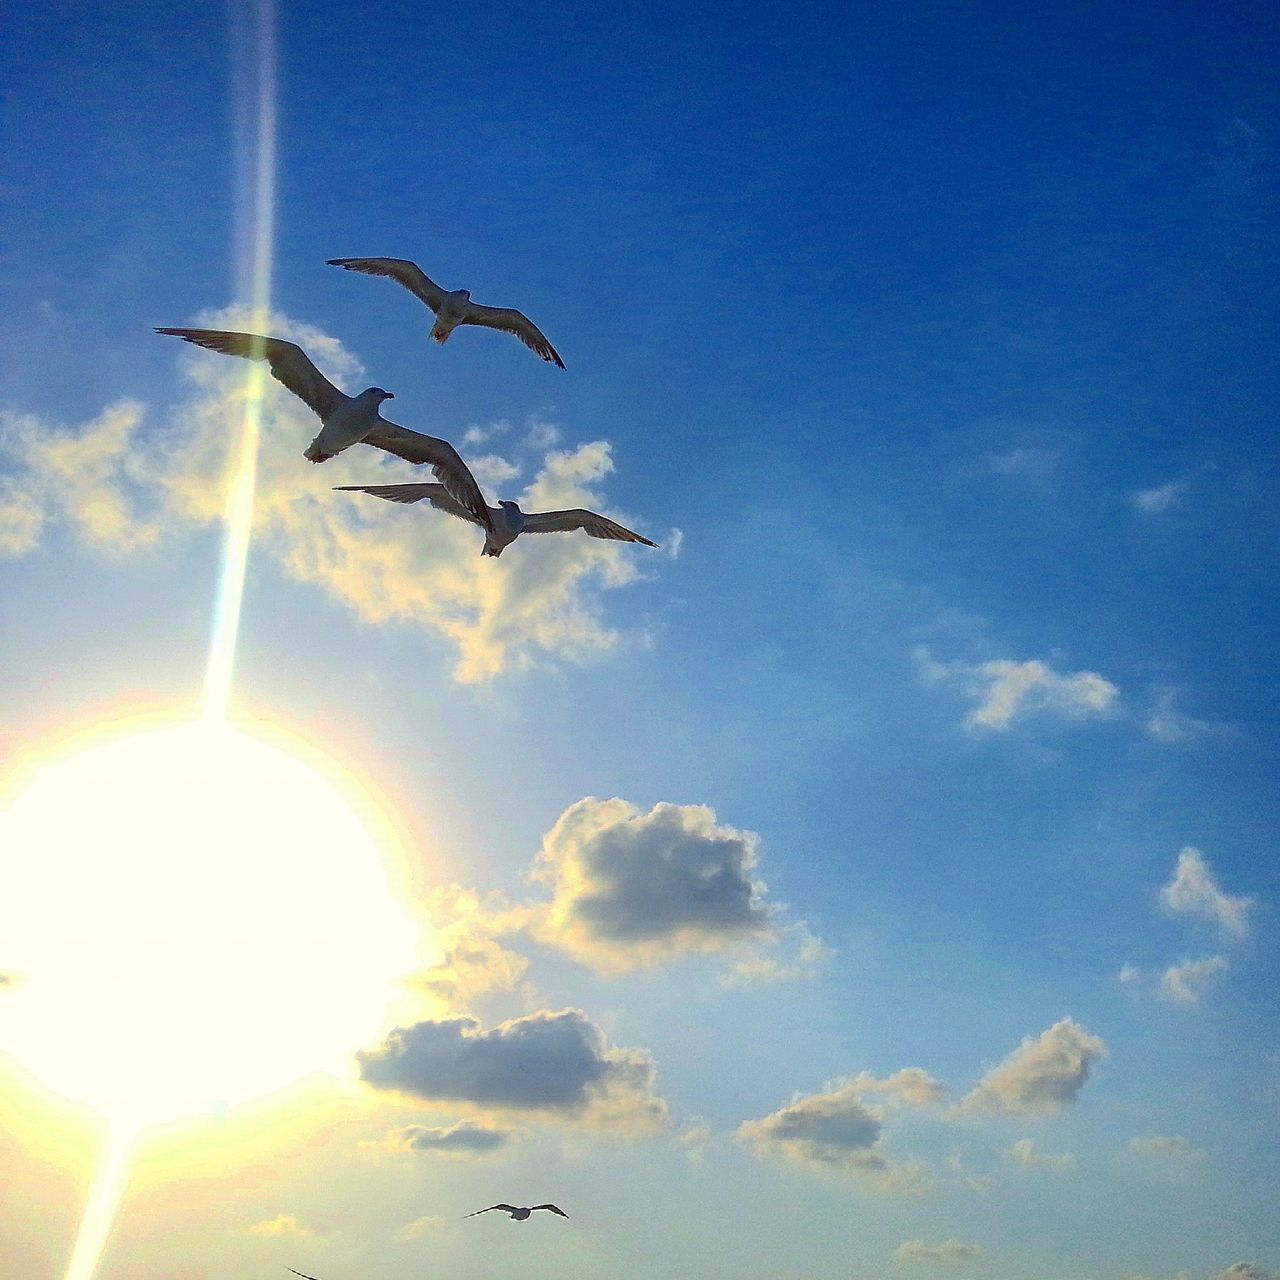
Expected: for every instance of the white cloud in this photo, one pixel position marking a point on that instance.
(1005, 690)
(1161, 498)
(948, 1252)
(1187, 983)
(1246, 1271)
(1166, 724)
(1174, 1147)
(1038, 464)
(631, 888)
(801, 957)
(1023, 1152)
(1041, 1076)
(386, 564)
(546, 1065)
(463, 1139)
(420, 1228)
(1193, 892)
(282, 1227)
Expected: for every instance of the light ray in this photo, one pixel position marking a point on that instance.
(254, 53)
(104, 1200)
(253, 255)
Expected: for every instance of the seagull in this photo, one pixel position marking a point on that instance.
(453, 307)
(506, 522)
(347, 419)
(518, 1214)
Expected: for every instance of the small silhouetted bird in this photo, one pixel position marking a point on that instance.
(453, 307)
(517, 1213)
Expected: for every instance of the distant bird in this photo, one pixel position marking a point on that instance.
(453, 307)
(347, 419)
(518, 1214)
(506, 522)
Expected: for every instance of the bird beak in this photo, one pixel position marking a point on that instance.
(389, 395)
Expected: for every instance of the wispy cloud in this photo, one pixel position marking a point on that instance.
(1188, 982)
(1160, 498)
(1174, 1147)
(282, 1227)
(420, 1228)
(1024, 1152)
(1194, 892)
(948, 1252)
(461, 1140)
(1005, 691)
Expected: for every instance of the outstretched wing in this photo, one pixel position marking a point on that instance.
(302, 1274)
(289, 363)
(436, 494)
(511, 321)
(508, 1207)
(443, 459)
(553, 1208)
(402, 271)
(596, 525)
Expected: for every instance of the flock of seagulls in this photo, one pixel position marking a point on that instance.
(349, 420)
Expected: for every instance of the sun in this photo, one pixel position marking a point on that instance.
(192, 916)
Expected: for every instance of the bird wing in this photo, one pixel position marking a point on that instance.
(596, 525)
(401, 270)
(510, 1208)
(553, 1208)
(511, 321)
(436, 494)
(302, 1274)
(289, 363)
(444, 460)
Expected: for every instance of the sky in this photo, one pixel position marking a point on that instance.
(877, 880)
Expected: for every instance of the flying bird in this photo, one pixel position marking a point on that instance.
(518, 1214)
(506, 522)
(347, 420)
(453, 306)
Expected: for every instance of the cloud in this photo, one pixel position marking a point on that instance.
(1246, 1271)
(81, 477)
(631, 888)
(461, 1139)
(388, 565)
(910, 1086)
(1041, 1076)
(419, 1228)
(948, 1252)
(282, 1227)
(1023, 1152)
(1187, 982)
(1193, 892)
(554, 1065)
(1005, 690)
(1154, 501)
(1166, 724)
(1038, 464)
(832, 1130)
(1174, 1147)
(803, 956)
(472, 963)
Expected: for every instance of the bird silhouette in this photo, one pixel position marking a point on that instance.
(519, 1214)
(453, 307)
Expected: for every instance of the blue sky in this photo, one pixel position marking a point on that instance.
(936, 346)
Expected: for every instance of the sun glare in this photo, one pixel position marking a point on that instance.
(192, 916)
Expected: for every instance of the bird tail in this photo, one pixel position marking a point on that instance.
(313, 453)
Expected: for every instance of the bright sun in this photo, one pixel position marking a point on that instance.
(191, 917)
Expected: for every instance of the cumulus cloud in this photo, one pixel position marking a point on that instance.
(1188, 982)
(1005, 690)
(1193, 892)
(553, 1065)
(1173, 1147)
(631, 888)
(1156, 500)
(461, 1139)
(1023, 1152)
(282, 1227)
(911, 1086)
(384, 563)
(948, 1252)
(1246, 1271)
(1041, 1076)
(472, 963)
(833, 1130)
